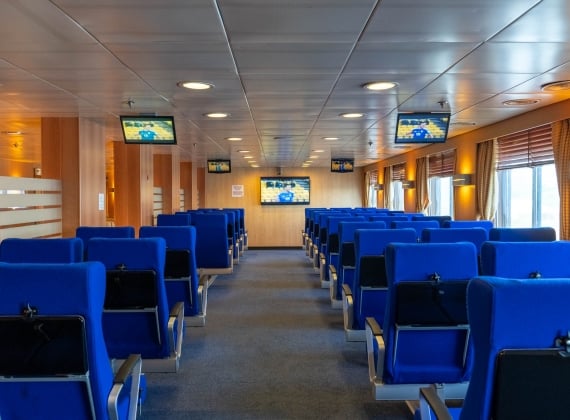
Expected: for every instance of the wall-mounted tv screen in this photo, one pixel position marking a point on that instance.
(422, 127)
(342, 165)
(285, 190)
(219, 166)
(148, 129)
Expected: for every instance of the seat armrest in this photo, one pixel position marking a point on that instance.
(130, 368)
(346, 290)
(176, 317)
(375, 350)
(347, 307)
(430, 402)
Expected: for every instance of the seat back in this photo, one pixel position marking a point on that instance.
(439, 219)
(178, 219)
(211, 240)
(501, 318)
(476, 235)
(134, 266)
(36, 250)
(53, 359)
(426, 275)
(417, 225)
(180, 269)
(370, 271)
(85, 233)
(485, 224)
(525, 259)
(538, 234)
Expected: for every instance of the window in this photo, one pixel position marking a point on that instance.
(441, 167)
(371, 189)
(398, 175)
(527, 180)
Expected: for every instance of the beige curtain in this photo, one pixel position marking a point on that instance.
(422, 192)
(486, 186)
(387, 198)
(366, 191)
(561, 149)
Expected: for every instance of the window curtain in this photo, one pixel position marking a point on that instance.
(561, 148)
(387, 199)
(366, 191)
(486, 180)
(422, 191)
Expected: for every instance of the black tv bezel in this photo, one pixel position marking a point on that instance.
(285, 179)
(228, 162)
(148, 118)
(338, 171)
(420, 116)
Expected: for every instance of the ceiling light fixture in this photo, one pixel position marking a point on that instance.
(521, 102)
(234, 139)
(380, 85)
(556, 86)
(217, 115)
(195, 85)
(352, 115)
(330, 138)
(13, 133)
(243, 151)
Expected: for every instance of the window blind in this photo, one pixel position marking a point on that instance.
(442, 164)
(399, 172)
(526, 148)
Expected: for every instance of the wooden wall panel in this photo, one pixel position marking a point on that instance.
(186, 183)
(275, 225)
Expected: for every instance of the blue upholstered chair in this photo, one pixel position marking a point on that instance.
(521, 360)
(439, 219)
(537, 234)
(425, 337)
(36, 250)
(137, 316)
(53, 356)
(367, 297)
(485, 224)
(87, 232)
(417, 225)
(525, 259)
(177, 219)
(344, 272)
(330, 258)
(180, 270)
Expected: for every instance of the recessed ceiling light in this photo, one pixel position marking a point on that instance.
(234, 139)
(195, 85)
(243, 151)
(255, 166)
(556, 86)
(248, 157)
(330, 138)
(521, 102)
(380, 85)
(317, 150)
(352, 115)
(217, 115)
(308, 161)
(313, 157)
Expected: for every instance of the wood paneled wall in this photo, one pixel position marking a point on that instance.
(281, 225)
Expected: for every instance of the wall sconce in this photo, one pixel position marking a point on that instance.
(462, 179)
(408, 184)
(378, 187)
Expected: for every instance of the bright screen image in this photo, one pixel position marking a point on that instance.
(219, 166)
(422, 127)
(342, 165)
(285, 190)
(143, 130)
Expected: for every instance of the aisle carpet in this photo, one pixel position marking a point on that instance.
(272, 348)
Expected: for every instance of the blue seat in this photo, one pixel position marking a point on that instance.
(180, 270)
(525, 259)
(522, 358)
(344, 271)
(331, 253)
(36, 250)
(137, 316)
(425, 336)
(439, 219)
(542, 234)
(87, 232)
(367, 298)
(417, 225)
(177, 219)
(53, 357)
(485, 224)
(213, 255)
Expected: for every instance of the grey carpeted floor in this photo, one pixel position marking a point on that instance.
(272, 348)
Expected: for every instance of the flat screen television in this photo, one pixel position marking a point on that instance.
(219, 166)
(342, 165)
(285, 190)
(148, 129)
(422, 127)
